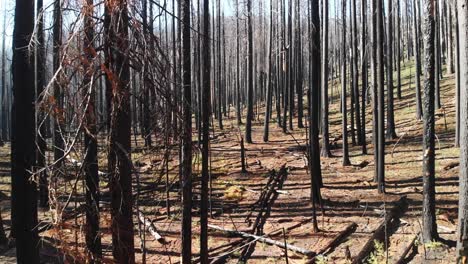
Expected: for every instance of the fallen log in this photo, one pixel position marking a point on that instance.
(410, 246)
(296, 249)
(379, 233)
(451, 165)
(339, 238)
(151, 228)
(336, 241)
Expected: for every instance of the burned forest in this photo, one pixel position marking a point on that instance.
(234, 131)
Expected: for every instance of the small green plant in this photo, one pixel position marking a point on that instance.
(378, 256)
(434, 244)
(321, 259)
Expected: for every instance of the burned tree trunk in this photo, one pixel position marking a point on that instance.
(90, 164)
(186, 140)
(250, 77)
(429, 232)
(23, 190)
(325, 152)
(119, 159)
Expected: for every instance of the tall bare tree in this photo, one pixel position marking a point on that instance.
(462, 241)
(429, 231)
(23, 155)
(119, 158)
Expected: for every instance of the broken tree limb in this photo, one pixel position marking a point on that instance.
(339, 238)
(296, 249)
(379, 234)
(151, 228)
(336, 241)
(410, 246)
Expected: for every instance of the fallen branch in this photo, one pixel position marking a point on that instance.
(296, 249)
(451, 165)
(336, 241)
(410, 246)
(151, 228)
(380, 232)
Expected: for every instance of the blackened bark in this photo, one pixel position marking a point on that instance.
(364, 73)
(186, 140)
(59, 111)
(417, 58)
(248, 126)
(23, 190)
(344, 113)
(90, 164)
(325, 152)
(41, 123)
(269, 81)
(314, 150)
(375, 104)
(299, 69)
(355, 73)
(398, 53)
(238, 83)
(390, 133)
(119, 159)
(206, 113)
(429, 232)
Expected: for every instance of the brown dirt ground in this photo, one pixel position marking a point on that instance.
(349, 193)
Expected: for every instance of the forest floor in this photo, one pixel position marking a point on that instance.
(349, 194)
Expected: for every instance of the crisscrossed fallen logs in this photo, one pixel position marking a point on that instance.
(267, 199)
(379, 234)
(264, 240)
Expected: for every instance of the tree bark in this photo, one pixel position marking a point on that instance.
(23, 190)
(206, 113)
(90, 166)
(248, 126)
(344, 113)
(325, 152)
(380, 97)
(462, 236)
(186, 140)
(390, 133)
(429, 232)
(119, 159)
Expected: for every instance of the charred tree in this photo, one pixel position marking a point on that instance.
(417, 58)
(186, 137)
(206, 112)
(344, 113)
(90, 164)
(314, 102)
(380, 97)
(119, 158)
(41, 122)
(429, 232)
(250, 77)
(23, 155)
(325, 152)
(390, 133)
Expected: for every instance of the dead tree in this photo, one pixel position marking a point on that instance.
(119, 159)
(90, 164)
(429, 232)
(23, 190)
(186, 137)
